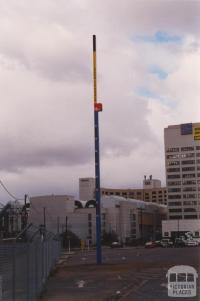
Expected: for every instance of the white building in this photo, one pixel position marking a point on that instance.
(174, 228)
(182, 161)
(51, 210)
(182, 158)
(86, 189)
(129, 219)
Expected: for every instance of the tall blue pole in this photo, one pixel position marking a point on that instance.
(97, 109)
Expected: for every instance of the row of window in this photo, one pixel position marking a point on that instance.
(189, 175)
(185, 203)
(184, 210)
(183, 189)
(193, 216)
(183, 149)
(184, 182)
(184, 162)
(187, 155)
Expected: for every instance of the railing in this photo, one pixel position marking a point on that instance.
(25, 267)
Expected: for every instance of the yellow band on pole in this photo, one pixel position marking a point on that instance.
(94, 76)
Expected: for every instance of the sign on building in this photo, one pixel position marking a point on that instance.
(196, 133)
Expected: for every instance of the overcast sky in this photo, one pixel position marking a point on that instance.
(148, 61)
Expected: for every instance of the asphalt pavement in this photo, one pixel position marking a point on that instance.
(125, 274)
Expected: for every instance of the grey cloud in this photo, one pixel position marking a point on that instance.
(18, 159)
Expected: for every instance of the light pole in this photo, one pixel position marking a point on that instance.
(97, 109)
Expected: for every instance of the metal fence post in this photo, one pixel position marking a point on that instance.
(36, 270)
(27, 271)
(13, 271)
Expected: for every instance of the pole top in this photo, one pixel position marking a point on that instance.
(94, 42)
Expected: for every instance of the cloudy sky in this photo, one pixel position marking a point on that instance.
(148, 61)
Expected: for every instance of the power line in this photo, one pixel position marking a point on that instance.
(10, 194)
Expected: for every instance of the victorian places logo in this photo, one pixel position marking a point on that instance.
(182, 281)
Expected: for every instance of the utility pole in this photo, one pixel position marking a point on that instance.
(97, 109)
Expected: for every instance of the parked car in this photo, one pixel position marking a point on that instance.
(191, 243)
(166, 243)
(116, 244)
(179, 242)
(151, 244)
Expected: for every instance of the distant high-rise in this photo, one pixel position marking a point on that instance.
(182, 161)
(86, 189)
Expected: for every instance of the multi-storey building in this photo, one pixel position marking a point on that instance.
(151, 192)
(86, 189)
(182, 158)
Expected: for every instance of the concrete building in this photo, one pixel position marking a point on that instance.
(51, 210)
(177, 228)
(86, 189)
(182, 160)
(151, 192)
(129, 219)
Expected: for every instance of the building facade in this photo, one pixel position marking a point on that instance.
(182, 161)
(129, 219)
(86, 189)
(151, 192)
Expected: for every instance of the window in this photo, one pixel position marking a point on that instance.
(189, 210)
(191, 168)
(188, 148)
(190, 216)
(175, 210)
(174, 203)
(175, 196)
(173, 169)
(189, 188)
(173, 176)
(189, 196)
(189, 155)
(189, 203)
(181, 277)
(172, 277)
(198, 147)
(174, 183)
(175, 217)
(172, 163)
(173, 149)
(190, 175)
(190, 277)
(174, 189)
(192, 182)
(188, 162)
(173, 156)
(166, 233)
(196, 233)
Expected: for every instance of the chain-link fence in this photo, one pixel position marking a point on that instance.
(24, 268)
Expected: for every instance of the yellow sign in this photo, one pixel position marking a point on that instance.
(196, 133)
